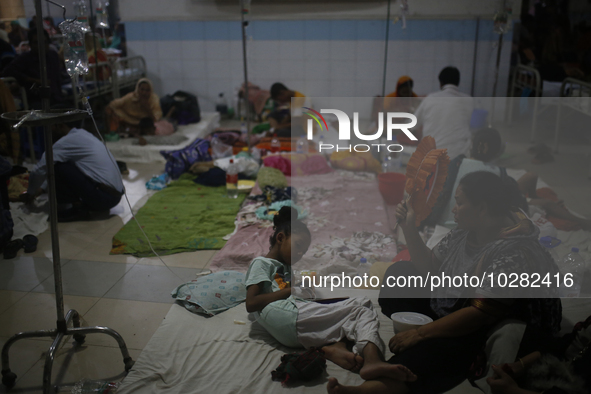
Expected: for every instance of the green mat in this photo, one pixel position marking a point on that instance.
(181, 218)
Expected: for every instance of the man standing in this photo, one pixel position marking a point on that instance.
(445, 115)
(86, 175)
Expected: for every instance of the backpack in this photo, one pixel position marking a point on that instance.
(187, 107)
(295, 366)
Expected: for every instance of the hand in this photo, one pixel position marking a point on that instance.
(405, 215)
(501, 382)
(405, 340)
(27, 198)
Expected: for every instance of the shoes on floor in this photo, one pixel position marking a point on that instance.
(30, 243)
(11, 249)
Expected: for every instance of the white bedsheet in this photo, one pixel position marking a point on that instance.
(124, 150)
(194, 354)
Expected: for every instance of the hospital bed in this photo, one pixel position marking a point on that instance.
(127, 149)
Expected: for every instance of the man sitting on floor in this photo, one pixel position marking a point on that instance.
(86, 176)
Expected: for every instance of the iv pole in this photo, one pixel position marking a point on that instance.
(244, 24)
(62, 330)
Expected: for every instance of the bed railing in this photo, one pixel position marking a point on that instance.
(574, 95)
(526, 77)
(128, 71)
(23, 97)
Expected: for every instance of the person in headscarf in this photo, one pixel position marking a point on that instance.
(403, 88)
(126, 112)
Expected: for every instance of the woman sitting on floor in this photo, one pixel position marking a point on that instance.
(490, 238)
(295, 322)
(126, 112)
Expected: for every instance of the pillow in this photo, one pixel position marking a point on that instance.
(212, 294)
(282, 163)
(268, 176)
(308, 164)
(355, 161)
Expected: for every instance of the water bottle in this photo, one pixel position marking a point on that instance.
(550, 244)
(232, 180)
(573, 264)
(275, 144)
(243, 130)
(221, 105)
(395, 158)
(302, 145)
(363, 267)
(386, 164)
(97, 387)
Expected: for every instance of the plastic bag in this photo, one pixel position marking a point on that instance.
(246, 165)
(74, 52)
(86, 386)
(219, 149)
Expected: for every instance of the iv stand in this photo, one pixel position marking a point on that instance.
(62, 330)
(244, 61)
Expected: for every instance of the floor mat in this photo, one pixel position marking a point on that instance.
(181, 218)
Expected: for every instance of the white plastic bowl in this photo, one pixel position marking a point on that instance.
(404, 321)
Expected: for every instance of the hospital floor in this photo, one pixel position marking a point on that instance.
(132, 295)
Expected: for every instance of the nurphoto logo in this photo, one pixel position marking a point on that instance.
(345, 129)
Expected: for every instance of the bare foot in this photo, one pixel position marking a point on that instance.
(333, 386)
(383, 369)
(341, 356)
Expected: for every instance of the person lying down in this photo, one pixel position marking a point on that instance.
(148, 135)
(296, 322)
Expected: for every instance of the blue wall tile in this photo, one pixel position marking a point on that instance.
(317, 29)
(134, 31)
(217, 30)
(168, 30)
(150, 31)
(192, 30)
(291, 30)
(343, 30)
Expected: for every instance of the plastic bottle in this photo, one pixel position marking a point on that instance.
(573, 264)
(550, 243)
(243, 129)
(232, 180)
(302, 145)
(275, 144)
(221, 105)
(386, 163)
(97, 387)
(396, 158)
(363, 267)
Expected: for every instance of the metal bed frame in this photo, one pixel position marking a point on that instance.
(23, 94)
(526, 77)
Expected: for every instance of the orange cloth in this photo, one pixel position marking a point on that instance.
(402, 80)
(103, 71)
(560, 224)
(128, 108)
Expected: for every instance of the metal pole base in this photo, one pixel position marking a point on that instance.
(79, 335)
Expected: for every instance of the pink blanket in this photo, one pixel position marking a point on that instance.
(346, 218)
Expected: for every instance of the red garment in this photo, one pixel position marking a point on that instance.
(560, 224)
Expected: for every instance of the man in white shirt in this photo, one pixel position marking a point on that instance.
(445, 115)
(87, 177)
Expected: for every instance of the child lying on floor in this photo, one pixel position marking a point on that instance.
(149, 133)
(295, 322)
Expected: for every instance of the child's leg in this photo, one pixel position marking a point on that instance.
(339, 354)
(375, 367)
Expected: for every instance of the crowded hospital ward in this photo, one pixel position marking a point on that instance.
(335, 196)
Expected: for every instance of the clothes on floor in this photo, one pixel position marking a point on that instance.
(296, 322)
(88, 154)
(445, 116)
